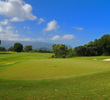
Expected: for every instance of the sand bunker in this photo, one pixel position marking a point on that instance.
(94, 59)
(106, 60)
(7, 63)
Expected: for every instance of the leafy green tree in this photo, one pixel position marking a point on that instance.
(18, 47)
(96, 48)
(70, 53)
(2, 49)
(97, 44)
(27, 48)
(80, 50)
(10, 49)
(60, 50)
(90, 49)
(55, 49)
(105, 44)
(43, 51)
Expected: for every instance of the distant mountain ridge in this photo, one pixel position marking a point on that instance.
(35, 45)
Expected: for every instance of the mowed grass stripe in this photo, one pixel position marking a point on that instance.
(52, 68)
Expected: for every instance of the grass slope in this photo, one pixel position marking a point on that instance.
(89, 87)
(86, 86)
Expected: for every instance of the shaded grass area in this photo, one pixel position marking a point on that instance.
(4, 53)
(88, 87)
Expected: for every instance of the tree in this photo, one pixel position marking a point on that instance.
(55, 49)
(97, 44)
(10, 49)
(43, 51)
(27, 48)
(96, 48)
(105, 44)
(70, 53)
(80, 50)
(60, 50)
(2, 49)
(18, 47)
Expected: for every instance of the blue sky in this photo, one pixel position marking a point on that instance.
(73, 22)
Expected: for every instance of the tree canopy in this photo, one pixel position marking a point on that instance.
(60, 50)
(96, 48)
(2, 49)
(18, 47)
(27, 48)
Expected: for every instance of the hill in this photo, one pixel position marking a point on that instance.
(35, 45)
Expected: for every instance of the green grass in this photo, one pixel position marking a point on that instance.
(89, 87)
(35, 77)
(52, 68)
(7, 57)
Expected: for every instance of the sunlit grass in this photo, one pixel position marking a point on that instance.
(87, 87)
(35, 76)
(52, 68)
(7, 57)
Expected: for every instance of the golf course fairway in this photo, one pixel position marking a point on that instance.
(52, 68)
(34, 76)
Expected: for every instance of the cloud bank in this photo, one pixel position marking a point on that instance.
(16, 10)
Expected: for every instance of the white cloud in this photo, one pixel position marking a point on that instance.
(16, 19)
(78, 28)
(41, 20)
(9, 28)
(52, 26)
(5, 22)
(63, 38)
(68, 37)
(17, 10)
(56, 38)
(26, 39)
(9, 34)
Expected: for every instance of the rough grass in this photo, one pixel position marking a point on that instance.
(88, 87)
(79, 78)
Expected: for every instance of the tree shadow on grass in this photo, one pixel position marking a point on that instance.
(5, 53)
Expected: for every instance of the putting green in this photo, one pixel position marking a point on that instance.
(52, 68)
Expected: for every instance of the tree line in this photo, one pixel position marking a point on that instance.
(18, 47)
(97, 47)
